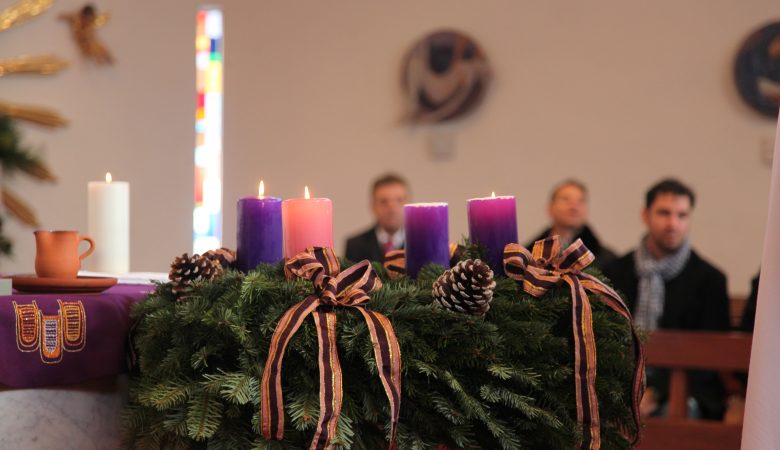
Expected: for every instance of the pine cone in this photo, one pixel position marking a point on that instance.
(467, 288)
(225, 257)
(186, 270)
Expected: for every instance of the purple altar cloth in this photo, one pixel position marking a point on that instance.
(55, 339)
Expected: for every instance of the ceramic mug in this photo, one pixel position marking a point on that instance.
(57, 253)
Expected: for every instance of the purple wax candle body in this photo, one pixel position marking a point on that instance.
(427, 236)
(493, 224)
(259, 232)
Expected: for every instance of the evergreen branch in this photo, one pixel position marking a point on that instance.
(525, 376)
(344, 433)
(521, 403)
(14, 157)
(444, 407)
(505, 436)
(165, 395)
(304, 410)
(239, 388)
(176, 422)
(5, 243)
(204, 415)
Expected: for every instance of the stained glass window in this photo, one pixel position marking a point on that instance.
(207, 215)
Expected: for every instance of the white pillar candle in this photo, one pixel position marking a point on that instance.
(109, 225)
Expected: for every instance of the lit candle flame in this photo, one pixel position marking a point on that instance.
(493, 194)
(306, 192)
(261, 189)
(108, 177)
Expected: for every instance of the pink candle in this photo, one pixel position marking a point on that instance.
(307, 222)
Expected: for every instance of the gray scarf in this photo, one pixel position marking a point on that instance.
(653, 274)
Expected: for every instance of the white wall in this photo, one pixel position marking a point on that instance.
(617, 94)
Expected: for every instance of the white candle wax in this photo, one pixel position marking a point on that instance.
(109, 225)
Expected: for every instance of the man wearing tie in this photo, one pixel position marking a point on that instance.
(388, 195)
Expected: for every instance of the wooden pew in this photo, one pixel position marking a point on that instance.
(679, 351)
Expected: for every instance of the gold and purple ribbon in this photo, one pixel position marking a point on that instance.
(332, 288)
(546, 267)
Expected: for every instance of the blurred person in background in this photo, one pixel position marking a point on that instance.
(568, 211)
(389, 193)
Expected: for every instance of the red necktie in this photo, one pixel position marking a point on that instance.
(389, 244)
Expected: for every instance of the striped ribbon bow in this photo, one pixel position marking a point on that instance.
(544, 268)
(332, 288)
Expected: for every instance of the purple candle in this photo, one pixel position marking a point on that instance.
(427, 236)
(493, 224)
(259, 231)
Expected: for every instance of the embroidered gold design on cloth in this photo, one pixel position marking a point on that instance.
(51, 335)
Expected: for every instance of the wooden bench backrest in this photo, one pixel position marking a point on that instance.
(680, 351)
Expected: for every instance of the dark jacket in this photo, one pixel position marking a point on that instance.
(364, 246)
(748, 322)
(696, 299)
(603, 254)
(749, 314)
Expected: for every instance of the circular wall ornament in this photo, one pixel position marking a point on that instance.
(445, 76)
(757, 70)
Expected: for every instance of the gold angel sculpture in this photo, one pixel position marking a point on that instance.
(84, 25)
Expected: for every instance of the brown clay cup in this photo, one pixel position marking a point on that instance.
(57, 253)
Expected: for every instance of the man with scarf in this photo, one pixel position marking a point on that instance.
(667, 285)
